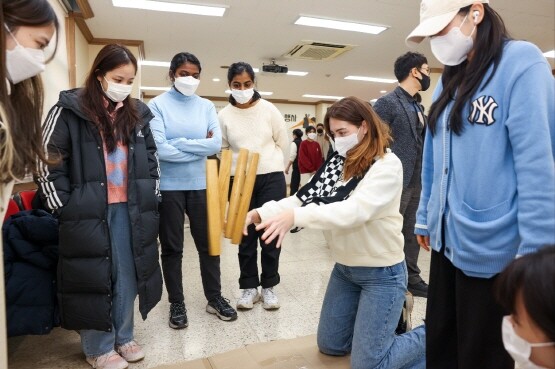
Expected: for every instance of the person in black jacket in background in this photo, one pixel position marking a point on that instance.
(405, 117)
(104, 188)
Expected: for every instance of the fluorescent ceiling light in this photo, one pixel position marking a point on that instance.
(371, 79)
(256, 70)
(216, 79)
(263, 93)
(383, 91)
(341, 25)
(296, 73)
(373, 101)
(155, 88)
(162, 6)
(549, 54)
(152, 63)
(323, 97)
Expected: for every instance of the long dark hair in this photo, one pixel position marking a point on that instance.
(93, 99)
(236, 69)
(531, 277)
(465, 78)
(354, 110)
(21, 111)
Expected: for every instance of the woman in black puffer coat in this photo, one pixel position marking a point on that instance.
(105, 191)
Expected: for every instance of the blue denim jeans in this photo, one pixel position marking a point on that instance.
(359, 315)
(124, 287)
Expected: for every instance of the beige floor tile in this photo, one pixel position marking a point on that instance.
(305, 266)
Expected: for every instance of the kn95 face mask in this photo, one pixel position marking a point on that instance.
(186, 85)
(242, 96)
(117, 91)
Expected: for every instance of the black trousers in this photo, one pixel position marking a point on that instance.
(267, 187)
(409, 205)
(463, 321)
(295, 179)
(174, 206)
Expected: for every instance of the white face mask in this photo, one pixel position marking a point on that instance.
(186, 85)
(242, 96)
(519, 348)
(453, 47)
(23, 62)
(312, 136)
(117, 91)
(346, 143)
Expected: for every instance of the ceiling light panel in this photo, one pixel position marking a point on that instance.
(549, 54)
(263, 93)
(149, 88)
(371, 79)
(296, 73)
(152, 63)
(162, 6)
(340, 25)
(323, 97)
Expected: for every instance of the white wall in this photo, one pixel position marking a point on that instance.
(81, 58)
(56, 76)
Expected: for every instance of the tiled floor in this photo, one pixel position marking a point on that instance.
(305, 265)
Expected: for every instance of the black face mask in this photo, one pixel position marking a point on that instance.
(424, 82)
(320, 131)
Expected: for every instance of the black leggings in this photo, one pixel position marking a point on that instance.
(463, 321)
(267, 187)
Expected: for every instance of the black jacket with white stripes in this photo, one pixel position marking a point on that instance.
(76, 189)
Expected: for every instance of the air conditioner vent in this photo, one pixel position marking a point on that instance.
(309, 50)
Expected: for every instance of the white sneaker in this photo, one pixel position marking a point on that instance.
(270, 299)
(249, 297)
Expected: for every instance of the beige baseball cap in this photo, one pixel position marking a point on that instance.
(435, 15)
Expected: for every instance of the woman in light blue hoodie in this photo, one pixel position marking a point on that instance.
(186, 131)
(488, 175)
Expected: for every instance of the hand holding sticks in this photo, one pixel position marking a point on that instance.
(217, 187)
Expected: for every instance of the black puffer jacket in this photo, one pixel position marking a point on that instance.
(30, 257)
(76, 189)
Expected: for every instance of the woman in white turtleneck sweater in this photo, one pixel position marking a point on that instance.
(250, 122)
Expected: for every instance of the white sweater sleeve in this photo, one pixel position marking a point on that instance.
(292, 151)
(272, 208)
(279, 132)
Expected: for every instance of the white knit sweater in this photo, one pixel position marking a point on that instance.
(259, 129)
(363, 230)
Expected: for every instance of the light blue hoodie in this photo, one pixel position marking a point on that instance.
(494, 185)
(180, 126)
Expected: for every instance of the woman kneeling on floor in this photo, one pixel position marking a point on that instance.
(354, 198)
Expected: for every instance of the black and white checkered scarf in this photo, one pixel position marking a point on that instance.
(327, 185)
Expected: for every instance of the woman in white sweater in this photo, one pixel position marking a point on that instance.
(252, 123)
(354, 198)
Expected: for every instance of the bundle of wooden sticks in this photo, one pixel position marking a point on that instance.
(222, 218)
